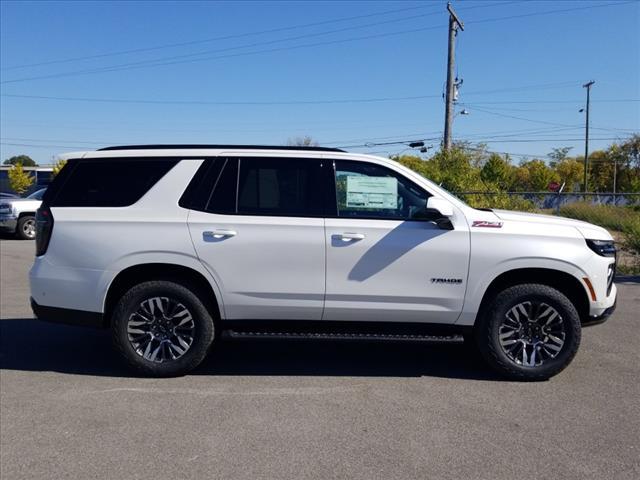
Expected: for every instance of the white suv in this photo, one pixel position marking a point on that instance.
(173, 246)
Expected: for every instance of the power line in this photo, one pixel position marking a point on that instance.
(162, 60)
(292, 102)
(514, 102)
(533, 140)
(550, 12)
(212, 39)
(206, 102)
(542, 121)
(240, 35)
(156, 63)
(116, 68)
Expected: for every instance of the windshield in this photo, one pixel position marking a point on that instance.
(37, 195)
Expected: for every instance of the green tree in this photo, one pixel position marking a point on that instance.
(625, 156)
(571, 172)
(305, 141)
(19, 180)
(600, 172)
(57, 167)
(25, 160)
(558, 154)
(497, 171)
(536, 175)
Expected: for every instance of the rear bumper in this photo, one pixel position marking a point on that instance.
(68, 316)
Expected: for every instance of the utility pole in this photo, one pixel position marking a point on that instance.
(454, 24)
(586, 134)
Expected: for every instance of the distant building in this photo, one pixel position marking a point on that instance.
(42, 174)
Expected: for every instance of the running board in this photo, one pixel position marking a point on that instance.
(348, 336)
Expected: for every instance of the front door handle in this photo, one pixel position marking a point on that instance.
(349, 237)
(219, 234)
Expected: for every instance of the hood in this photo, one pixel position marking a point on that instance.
(588, 230)
(21, 201)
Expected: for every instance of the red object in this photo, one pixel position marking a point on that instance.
(554, 186)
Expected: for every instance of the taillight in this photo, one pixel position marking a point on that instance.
(44, 227)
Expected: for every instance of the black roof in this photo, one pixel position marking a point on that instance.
(228, 147)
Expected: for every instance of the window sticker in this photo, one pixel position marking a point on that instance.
(372, 192)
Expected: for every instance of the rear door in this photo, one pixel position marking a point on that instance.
(257, 225)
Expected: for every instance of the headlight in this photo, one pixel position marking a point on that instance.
(604, 248)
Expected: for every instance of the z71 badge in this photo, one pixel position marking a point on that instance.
(486, 224)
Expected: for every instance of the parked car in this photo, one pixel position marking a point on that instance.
(7, 195)
(173, 246)
(18, 215)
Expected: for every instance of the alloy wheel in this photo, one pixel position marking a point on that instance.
(161, 329)
(532, 333)
(29, 228)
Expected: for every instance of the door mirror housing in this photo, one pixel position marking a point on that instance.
(441, 206)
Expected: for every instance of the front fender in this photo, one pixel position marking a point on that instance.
(482, 280)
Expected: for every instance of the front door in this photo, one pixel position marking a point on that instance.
(260, 233)
(383, 262)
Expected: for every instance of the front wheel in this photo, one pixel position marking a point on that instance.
(529, 332)
(162, 328)
(26, 228)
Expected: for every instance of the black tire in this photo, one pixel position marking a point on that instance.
(203, 331)
(26, 229)
(487, 332)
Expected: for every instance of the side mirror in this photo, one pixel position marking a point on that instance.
(441, 206)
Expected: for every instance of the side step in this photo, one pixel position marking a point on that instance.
(346, 336)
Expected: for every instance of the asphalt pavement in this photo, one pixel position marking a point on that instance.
(69, 408)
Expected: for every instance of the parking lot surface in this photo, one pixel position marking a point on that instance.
(267, 410)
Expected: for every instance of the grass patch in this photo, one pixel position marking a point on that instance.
(607, 216)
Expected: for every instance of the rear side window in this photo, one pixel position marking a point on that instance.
(259, 186)
(280, 186)
(118, 182)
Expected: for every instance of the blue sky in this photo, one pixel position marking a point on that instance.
(345, 81)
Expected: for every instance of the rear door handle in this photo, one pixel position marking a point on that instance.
(348, 237)
(218, 234)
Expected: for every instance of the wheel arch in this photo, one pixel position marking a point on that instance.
(186, 276)
(564, 282)
(26, 214)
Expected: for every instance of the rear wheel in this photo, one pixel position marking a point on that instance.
(529, 332)
(162, 328)
(26, 228)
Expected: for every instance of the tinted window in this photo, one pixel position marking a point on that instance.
(223, 197)
(197, 193)
(280, 186)
(110, 183)
(38, 194)
(365, 190)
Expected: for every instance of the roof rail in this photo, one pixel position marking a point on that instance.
(226, 147)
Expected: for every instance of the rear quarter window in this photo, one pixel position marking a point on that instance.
(118, 182)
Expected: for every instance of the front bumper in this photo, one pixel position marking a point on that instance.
(8, 222)
(600, 318)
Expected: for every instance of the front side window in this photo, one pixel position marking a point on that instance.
(366, 190)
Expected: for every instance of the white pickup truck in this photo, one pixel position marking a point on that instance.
(18, 215)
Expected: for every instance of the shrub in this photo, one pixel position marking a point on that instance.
(607, 216)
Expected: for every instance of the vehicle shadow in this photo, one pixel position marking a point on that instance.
(27, 344)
